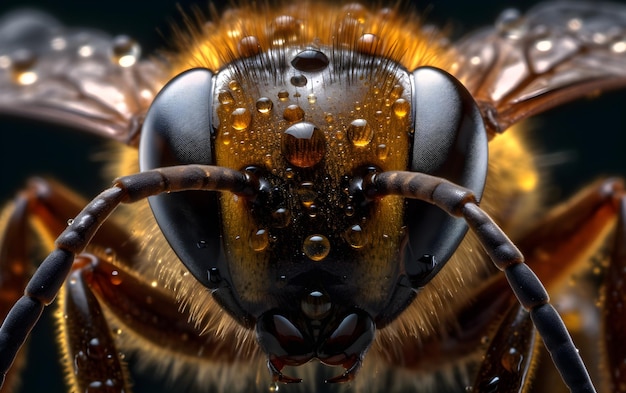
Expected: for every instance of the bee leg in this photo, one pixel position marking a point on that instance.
(29, 223)
(91, 359)
(560, 246)
(507, 363)
(613, 307)
(14, 267)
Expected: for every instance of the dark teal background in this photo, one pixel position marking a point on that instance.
(593, 131)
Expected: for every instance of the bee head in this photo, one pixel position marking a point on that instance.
(314, 261)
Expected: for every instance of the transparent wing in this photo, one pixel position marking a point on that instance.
(554, 53)
(77, 77)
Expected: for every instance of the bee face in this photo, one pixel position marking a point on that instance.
(308, 226)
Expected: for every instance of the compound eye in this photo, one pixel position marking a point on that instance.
(449, 141)
(178, 130)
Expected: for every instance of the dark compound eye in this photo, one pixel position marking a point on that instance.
(449, 141)
(178, 130)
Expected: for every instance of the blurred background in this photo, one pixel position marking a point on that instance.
(591, 133)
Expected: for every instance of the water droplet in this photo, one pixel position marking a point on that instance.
(225, 138)
(401, 107)
(316, 305)
(85, 51)
(234, 85)
(382, 151)
(117, 331)
(225, 97)
(249, 46)
(293, 113)
(349, 210)
(510, 23)
(285, 29)
(95, 349)
(396, 92)
(281, 217)
(360, 133)
(240, 119)
(312, 98)
(154, 284)
(303, 144)
(289, 173)
(273, 388)
(283, 95)
(310, 60)
(214, 276)
(368, 43)
(512, 361)
(70, 221)
(23, 67)
(264, 105)
(356, 237)
(316, 247)
(115, 278)
(259, 240)
(202, 244)
(125, 51)
(312, 210)
(307, 193)
(298, 80)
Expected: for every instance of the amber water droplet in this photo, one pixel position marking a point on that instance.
(259, 240)
(225, 97)
(264, 105)
(249, 46)
(298, 80)
(382, 151)
(316, 305)
(312, 98)
(293, 113)
(349, 210)
(303, 144)
(283, 95)
(234, 85)
(226, 138)
(355, 236)
(289, 173)
(360, 133)
(307, 193)
(312, 210)
(401, 107)
(115, 278)
(240, 119)
(316, 247)
(285, 29)
(125, 51)
(281, 217)
(396, 92)
(512, 360)
(273, 388)
(367, 43)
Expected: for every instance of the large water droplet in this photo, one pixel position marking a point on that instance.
(360, 133)
(316, 305)
(225, 97)
(259, 240)
(264, 105)
(249, 46)
(293, 113)
(355, 236)
(401, 107)
(298, 80)
(281, 217)
(310, 60)
(316, 247)
(240, 119)
(303, 144)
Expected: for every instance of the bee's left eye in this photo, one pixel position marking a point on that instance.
(177, 131)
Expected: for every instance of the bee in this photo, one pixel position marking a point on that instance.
(342, 271)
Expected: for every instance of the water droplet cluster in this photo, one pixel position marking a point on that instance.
(309, 115)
